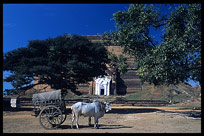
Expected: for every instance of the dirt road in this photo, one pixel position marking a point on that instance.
(129, 119)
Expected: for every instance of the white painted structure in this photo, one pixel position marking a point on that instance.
(102, 86)
(15, 103)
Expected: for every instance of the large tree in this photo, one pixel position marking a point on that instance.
(61, 62)
(118, 62)
(177, 57)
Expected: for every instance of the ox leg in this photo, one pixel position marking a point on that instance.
(89, 120)
(77, 119)
(95, 122)
(73, 118)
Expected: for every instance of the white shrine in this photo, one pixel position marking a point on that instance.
(102, 86)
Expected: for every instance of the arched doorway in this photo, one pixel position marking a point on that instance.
(102, 86)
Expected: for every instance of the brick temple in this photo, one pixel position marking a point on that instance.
(121, 85)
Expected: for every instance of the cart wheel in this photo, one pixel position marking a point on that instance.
(50, 117)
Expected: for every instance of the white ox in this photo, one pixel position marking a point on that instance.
(95, 109)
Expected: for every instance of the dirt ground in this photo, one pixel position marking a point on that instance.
(125, 119)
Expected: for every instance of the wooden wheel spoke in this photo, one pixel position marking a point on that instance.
(51, 117)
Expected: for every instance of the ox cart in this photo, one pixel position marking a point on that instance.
(50, 107)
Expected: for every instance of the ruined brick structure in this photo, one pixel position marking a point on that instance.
(128, 83)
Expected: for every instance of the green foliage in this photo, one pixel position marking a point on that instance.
(118, 62)
(177, 58)
(62, 62)
(11, 91)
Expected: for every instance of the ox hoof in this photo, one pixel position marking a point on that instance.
(96, 127)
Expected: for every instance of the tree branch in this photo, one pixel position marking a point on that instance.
(30, 86)
(146, 37)
(159, 25)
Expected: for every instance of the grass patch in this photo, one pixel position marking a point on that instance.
(149, 93)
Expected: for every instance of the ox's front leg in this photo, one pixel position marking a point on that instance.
(89, 120)
(95, 122)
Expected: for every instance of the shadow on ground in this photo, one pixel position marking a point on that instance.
(129, 111)
(101, 126)
(194, 114)
(113, 126)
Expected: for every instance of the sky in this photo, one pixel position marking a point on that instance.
(25, 22)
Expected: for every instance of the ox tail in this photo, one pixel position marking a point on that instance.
(73, 107)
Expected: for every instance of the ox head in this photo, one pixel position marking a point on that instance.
(107, 106)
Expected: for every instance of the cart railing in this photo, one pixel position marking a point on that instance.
(47, 102)
(47, 97)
